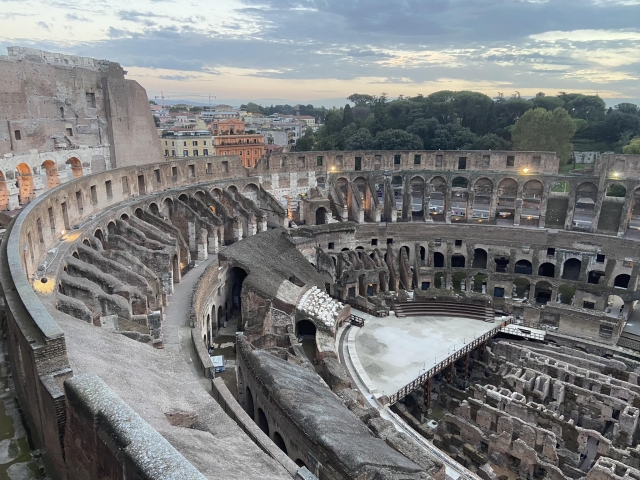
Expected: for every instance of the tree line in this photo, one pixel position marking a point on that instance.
(466, 120)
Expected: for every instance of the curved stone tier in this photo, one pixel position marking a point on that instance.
(108, 252)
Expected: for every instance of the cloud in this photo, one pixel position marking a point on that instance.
(557, 45)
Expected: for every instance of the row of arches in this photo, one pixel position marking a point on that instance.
(27, 181)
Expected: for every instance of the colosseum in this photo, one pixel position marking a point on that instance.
(382, 315)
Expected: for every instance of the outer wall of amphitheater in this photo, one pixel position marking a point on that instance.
(38, 352)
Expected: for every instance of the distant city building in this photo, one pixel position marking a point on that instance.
(229, 138)
(186, 143)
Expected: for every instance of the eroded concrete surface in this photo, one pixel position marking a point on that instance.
(394, 351)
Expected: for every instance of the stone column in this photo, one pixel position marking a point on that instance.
(627, 212)
(542, 220)
(192, 235)
(516, 217)
(262, 224)
(237, 229)
(213, 244)
(446, 203)
(597, 208)
(203, 244)
(494, 204)
(471, 194)
(571, 208)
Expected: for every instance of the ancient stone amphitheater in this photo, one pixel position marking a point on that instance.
(116, 284)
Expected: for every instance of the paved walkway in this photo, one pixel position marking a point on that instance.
(454, 470)
(177, 311)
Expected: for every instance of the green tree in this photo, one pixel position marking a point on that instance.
(152, 102)
(347, 116)
(633, 148)
(361, 140)
(196, 109)
(361, 99)
(252, 108)
(306, 142)
(540, 129)
(397, 140)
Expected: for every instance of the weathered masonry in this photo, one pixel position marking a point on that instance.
(64, 116)
(95, 260)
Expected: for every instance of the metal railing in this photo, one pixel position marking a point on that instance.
(433, 371)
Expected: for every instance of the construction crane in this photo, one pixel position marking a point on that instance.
(183, 96)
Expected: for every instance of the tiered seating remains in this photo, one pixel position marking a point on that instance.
(441, 308)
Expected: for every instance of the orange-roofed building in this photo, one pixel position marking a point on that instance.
(250, 147)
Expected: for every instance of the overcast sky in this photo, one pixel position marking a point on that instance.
(321, 51)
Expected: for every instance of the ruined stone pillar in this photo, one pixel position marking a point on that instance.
(627, 212)
(542, 220)
(447, 204)
(494, 205)
(597, 209)
(192, 235)
(426, 202)
(237, 229)
(571, 208)
(471, 199)
(213, 244)
(252, 226)
(518, 213)
(202, 245)
(262, 225)
(427, 395)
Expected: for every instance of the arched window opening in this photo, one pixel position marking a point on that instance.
(262, 422)
(524, 267)
(543, 292)
(248, 403)
(595, 276)
(547, 270)
(479, 258)
(566, 294)
(279, 441)
(438, 260)
(457, 261)
(321, 216)
(571, 270)
(622, 281)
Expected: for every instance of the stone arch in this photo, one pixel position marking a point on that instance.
(417, 185)
(111, 227)
(25, 183)
(321, 216)
(76, 167)
(235, 279)
(571, 269)
(480, 283)
(437, 198)
(460, 182)
(482, 200)
(547, 269)
(99, 235)
(321, 182)
(594, 276)
(479, 258)
(199, 194)
(217, 193)
(585, 200)
(4, 193)
(184, 198)
(153, 208)
(543, 292)
(506, 208)
(167, 207)
(175, 268)
(566, 294)
(622, 281)
(305, 328)
(251, 191)
(459, 282)
(458, 260)
(221, 317)
(532, 196)
(523, 267)
(249, 406)
(51, 171)
(262, 421)
(521, 289)
(279, 441)
(439, 280)
(124, 217)
(616, 190)
(342, 185)
(615, 306)
(438, 260)
(138, 213)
